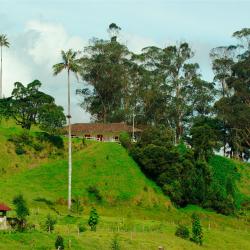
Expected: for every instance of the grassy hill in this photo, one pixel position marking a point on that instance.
(128, 203)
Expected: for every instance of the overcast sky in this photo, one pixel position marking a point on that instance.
(39, 29)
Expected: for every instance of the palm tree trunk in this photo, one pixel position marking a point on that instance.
(1, 80)
(70, 150)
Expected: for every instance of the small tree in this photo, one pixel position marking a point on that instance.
(22, 211)
(197, 236)
(50, 223)
(59, 243)
(93, 219)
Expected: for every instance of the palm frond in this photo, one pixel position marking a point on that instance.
(57, 68)
(69, 61)
(64, 57)
(4, 41)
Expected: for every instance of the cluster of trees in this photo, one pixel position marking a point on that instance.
(164, 89)
(29, 106)
(159, 86)
(180, 172)
(231, 66)
(163, 86)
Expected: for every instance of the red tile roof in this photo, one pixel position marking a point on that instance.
(4, 207)
(102, 127)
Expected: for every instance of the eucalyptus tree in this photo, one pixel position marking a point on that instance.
(70, 63)
(244, 36)
(234, 109)
(223, 58)
(3, 43)
(106, 68)
(173, 89)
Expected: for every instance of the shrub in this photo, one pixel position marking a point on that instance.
(82, 228)
(125, 140)
(20, 150)
(59, 242)
(95, 191)
(50, 223)
(182, 232)
(197, 235)
(38, 147)
(93, 219)
(55, 140)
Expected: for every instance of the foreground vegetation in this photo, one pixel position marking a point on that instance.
(127, 202)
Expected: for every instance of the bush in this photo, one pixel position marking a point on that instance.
(125, 140)
(55, 140)
(82, 228)
(95, 192)
(182, 232)
(20, 150)
(93, 219)
(59, 242)
(38, 147)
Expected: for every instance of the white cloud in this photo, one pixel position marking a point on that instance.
(14, 70)
(31, 56)
(137, 43)
(51, 39)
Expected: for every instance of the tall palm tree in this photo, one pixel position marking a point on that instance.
(71, 64)
(3, 43)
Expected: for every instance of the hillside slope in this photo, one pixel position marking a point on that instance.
(128, 203)
(105, 166)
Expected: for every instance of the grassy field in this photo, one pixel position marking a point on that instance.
(129, 204)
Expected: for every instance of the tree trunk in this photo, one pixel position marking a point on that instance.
(70, 144)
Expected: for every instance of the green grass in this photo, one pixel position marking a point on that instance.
(132, 206)
(103, 165)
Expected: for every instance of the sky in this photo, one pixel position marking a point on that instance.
(39, 29)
